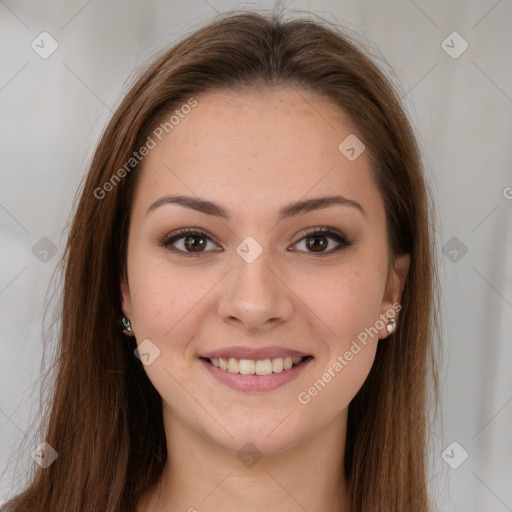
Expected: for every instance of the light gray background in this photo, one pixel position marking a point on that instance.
(54, 109)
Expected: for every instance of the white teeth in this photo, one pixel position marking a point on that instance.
(233, 365)
(264, 367)
(259, 367)
(277, 365)
(246, 367)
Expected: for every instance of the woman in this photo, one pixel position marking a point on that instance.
(256, 216)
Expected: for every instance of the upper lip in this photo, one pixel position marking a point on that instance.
(252, 353)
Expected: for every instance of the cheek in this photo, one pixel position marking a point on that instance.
(346, 301)
(348, 304)
(163, 298)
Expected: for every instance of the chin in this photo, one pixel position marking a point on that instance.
(266, 434)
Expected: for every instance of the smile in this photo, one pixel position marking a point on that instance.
(255, 367)
(256, 375)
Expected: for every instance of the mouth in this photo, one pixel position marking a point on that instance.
(258, 367)
(256, 375)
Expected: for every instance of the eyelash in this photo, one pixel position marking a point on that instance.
(324, 231)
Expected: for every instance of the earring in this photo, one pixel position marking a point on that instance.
(390, 326)
(127, 328)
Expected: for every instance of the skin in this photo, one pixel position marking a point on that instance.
(253, 153)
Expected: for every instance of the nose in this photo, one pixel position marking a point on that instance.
(254, 297)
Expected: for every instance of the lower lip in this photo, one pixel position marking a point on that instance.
(256, 382)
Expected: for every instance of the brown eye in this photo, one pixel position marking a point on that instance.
(317, 241)
(194, 243)
(188, 242)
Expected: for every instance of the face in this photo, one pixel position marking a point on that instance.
(249, 276)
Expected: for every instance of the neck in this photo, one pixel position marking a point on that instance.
(201, 476)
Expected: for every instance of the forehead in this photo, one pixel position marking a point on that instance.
(260, 146)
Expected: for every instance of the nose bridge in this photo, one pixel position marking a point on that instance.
(255, 296)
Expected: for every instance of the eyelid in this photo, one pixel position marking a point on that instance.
(320, 230)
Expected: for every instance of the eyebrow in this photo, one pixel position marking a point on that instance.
(291, 210)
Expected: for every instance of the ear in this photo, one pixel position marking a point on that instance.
(125, 296)
(393, 292)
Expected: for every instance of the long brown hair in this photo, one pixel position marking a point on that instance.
(105, 419)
